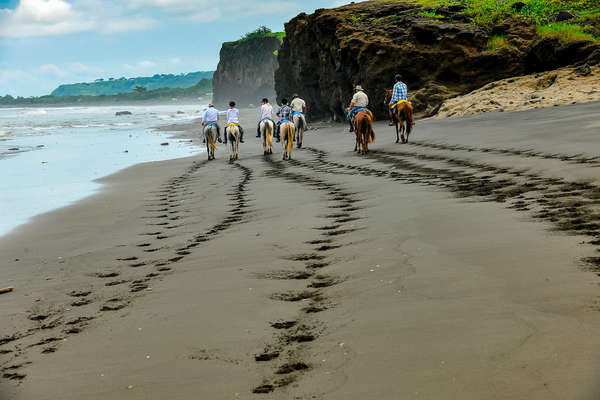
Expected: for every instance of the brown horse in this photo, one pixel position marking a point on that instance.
(402, 117)
(365, 134)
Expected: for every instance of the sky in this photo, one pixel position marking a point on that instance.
(44, 43)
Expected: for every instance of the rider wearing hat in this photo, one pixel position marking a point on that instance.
(359, 100)
(211, 116)
(399, 92)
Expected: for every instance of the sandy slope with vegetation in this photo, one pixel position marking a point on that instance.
(553, 88)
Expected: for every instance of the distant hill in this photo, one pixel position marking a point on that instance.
(200, 91)
(122, 85)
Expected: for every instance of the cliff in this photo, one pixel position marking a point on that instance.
(440, 52)
(245, 72)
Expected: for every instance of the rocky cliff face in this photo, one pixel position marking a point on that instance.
(324, 54)
(245, 71)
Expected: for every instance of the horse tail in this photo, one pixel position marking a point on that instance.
(210, 138)
(269, 132)
(408, 116)
(211, 142)
(290, 136)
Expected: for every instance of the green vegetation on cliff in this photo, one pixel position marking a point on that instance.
(122, 85)
(564, 19)
(259, 32)
(140, 93)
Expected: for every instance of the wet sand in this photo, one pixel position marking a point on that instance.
(462, 265)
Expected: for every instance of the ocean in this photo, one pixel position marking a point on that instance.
(50, 157)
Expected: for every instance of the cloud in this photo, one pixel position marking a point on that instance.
(207, 11)
(59, 17)
(9, 75)
(175, 60)
(53, 70)
(145, 64)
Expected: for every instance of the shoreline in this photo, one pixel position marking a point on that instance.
(332, 276)
(86, 184)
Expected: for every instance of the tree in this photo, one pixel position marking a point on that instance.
(140, 89)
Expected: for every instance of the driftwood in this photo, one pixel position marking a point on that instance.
(6, 290)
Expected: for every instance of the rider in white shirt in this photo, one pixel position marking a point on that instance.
(211, 115)
(233, 117)
(266, 112)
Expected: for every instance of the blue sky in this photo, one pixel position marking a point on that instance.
(44, 43)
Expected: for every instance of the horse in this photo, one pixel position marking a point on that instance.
(402, 117)
(286, 129)
(300, 126)
(363, 122)
(210, 133)
(266, 132)
(233, 139)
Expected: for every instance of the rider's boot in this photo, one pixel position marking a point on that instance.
(258, 131)
(241, 135)
(219, 135)
(225, 137)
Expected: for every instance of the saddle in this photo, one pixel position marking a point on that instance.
(211, 123)
(296, 112)
(232, 124)
(265, 119)
(284, 121)
(400, 102)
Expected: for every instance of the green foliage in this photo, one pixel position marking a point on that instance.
(200, 89)
(430, 14)
(565, 32)
(259, 32)
(489, 12)
(122, 85)
(276, 53)
(496, 42)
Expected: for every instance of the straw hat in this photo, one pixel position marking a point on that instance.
(358, 87)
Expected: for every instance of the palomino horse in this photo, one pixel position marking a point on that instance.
(266, 132)
(286, 129)
(233, 139)
(300, 126)
(363, 122)
(402, 117)
(210, 133)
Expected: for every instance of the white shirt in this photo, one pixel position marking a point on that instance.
(266, 111)
(298, 105)
(233, 115)
(360, 99)
(210, 115)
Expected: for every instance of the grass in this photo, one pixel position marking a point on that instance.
(430, 14)
(262, 31)
(565, 32)
(496, 42)
(542, 12)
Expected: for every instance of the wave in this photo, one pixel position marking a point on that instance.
(36, 112)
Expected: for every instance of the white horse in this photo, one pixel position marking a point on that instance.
(233, 139)
(266, 132)
(300, 126)
(210, 133)
(286, 129)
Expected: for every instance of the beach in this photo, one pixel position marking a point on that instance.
(461, 265)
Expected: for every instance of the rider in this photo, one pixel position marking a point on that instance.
(211, 115)
(233, 117)
(285, 114)
(266, 112)
(359, 100)
(399, 92)
(298, 107)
